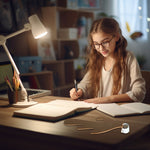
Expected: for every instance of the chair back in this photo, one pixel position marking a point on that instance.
(146, 76)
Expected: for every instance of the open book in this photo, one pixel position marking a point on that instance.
(61, 109)
(54, 110)
(116, 110)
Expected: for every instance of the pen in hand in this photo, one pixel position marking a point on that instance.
(75, 84)
(76, 87)
(75, 92)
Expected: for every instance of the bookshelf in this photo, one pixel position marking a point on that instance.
(56, 18)
(39, 80)
(63, 75)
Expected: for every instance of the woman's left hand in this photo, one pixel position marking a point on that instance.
(98, 100)
(110, 99)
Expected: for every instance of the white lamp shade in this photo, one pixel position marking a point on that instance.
(37, 28)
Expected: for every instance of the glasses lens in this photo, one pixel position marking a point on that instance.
(96, 46)
(105, 44)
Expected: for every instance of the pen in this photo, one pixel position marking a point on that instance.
(75, 84)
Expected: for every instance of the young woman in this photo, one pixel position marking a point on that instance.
(113, 74)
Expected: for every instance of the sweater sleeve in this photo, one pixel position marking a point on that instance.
(85, 86)
(137, 84)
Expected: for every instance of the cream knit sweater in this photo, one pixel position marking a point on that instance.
(132, 84)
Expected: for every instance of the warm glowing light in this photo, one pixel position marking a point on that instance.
(140, 8)
(147, 30)
(41, 35)
(148, 19)
(37, 28)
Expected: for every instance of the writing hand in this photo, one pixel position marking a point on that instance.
(75, 95)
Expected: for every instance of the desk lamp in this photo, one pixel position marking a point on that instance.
(38, 30)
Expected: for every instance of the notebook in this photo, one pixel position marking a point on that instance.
(128, 109)
(54, 110)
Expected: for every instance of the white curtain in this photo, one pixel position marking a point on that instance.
(133, 12)
(136, 13)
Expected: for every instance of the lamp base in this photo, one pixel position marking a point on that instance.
(24, 103)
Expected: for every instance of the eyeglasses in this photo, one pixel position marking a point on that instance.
(103, 44)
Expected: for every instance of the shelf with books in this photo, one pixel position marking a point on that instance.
(57, 18)
(63, 75)
(38, 80)
(67, 27)
(63, 90)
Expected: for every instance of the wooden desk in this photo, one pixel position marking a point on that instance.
(22, 134)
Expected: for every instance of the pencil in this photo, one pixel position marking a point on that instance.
(82, 129)
(9, 84)
(16, 81)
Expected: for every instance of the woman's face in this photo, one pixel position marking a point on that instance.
(104, 43)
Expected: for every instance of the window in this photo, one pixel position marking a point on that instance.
(135, 14)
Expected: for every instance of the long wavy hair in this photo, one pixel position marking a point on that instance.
(96, 60)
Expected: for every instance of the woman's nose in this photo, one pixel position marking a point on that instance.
(101, 48)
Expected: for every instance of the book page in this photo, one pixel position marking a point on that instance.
(45, 110)
(137, 106)
(114, 109)
(73, 104)
(54, 110)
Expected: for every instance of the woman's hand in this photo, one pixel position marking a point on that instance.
(75, 95)
(99, 100)
(110, 99)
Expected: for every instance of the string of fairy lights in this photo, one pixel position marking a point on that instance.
(148, 19)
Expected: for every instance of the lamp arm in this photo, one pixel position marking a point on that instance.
(10, 58)
(23, 90)
(27, 27)
(3, 39)
(13, 64)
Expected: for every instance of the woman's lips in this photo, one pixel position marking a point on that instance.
(104, 52)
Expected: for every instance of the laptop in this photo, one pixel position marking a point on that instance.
(32, 93)
(7, 71)
(35, 93)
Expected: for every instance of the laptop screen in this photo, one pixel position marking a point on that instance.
(6, 71)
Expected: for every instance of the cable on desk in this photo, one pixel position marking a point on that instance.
(107, 130)
(124, 129)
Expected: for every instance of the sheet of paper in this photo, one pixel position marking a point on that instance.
(114, 109)
(137, 106)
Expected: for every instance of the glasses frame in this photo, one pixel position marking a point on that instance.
(97, 46)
